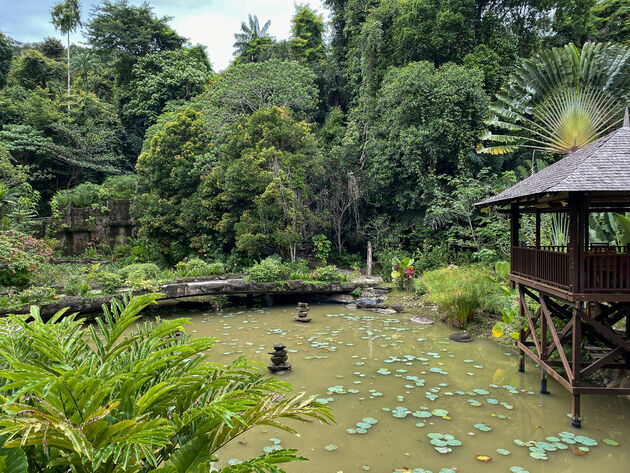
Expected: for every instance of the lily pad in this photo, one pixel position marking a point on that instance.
(370, 420)
(383, 371)
(331, 447)
(518, 469)
(439, 412)
(503, 451)
(611, 442)
(538, 455)
(400, 412)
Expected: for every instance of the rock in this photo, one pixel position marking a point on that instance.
(366, 305)
(422, 320)
(342, 298)
(463, 337)
(398, 308)
(351, 306)
(386, 311)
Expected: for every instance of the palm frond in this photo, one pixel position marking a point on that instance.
(561, 100)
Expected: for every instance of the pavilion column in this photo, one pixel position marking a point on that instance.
(577, 224)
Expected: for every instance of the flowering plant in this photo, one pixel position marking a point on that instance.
(20, 256)
(403, 271)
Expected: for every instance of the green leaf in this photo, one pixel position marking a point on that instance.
(13, 460)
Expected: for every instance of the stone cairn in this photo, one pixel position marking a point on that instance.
(303, 309)
(279, 359)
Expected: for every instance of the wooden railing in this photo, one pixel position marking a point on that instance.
(551, 267)
(607, 269)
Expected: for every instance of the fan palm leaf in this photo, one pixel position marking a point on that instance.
(561, 100)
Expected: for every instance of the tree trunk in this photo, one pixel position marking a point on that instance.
(368, 269)
(68, 42)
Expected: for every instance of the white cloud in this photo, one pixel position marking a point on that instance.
(214, 25)
(208, 22)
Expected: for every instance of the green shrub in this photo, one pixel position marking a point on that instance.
(36, 296)
(21, 256)
(460, 291)
(321, 247)
(118, 187)
(110, 282)
(76, 285)
(328, 274)
(270, 269)
(83, 195)
(141, 276)
(196, 267)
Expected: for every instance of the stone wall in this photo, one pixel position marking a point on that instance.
(83, 227)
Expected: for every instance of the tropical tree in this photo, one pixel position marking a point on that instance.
(6, 54)
(66, 16)
(83, 63)
(249, 34)
(560, 100)
(108, 397)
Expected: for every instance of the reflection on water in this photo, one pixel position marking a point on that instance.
(405, 397)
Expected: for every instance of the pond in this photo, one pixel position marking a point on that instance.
(407, 398)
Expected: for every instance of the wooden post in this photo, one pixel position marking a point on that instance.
(576, 351)
(538, 229)
(514, 231)
(543, 352)
(368, 269)
(576, 242)
(521, 337)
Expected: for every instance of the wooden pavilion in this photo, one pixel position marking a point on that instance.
(581, 288)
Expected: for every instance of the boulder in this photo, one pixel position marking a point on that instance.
(386, 311)
(462, 337)
(398, 308)
(422, 320)
(342, 298)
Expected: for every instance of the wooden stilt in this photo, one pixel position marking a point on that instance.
(543, 350)
(576, 417)
(543, 382)
(521, 337)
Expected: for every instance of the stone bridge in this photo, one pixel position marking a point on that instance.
(213, 287)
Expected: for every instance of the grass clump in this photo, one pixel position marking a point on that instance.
(76, 286)
(269, 269)
(141, 276)
(328, 274)
(460, 292)
(109, 282)
(196, 267)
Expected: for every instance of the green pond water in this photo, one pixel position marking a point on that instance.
(424, 403)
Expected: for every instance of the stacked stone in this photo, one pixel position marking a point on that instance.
(279, 359)
(303, 309)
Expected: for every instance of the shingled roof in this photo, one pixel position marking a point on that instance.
(602, 166)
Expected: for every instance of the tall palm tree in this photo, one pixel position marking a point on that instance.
(561, 100)
(249, 34)
(66, 16)
(83, 63)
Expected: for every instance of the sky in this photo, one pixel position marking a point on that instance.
(211, 23)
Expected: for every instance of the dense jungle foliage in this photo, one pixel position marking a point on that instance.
(362, 126)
